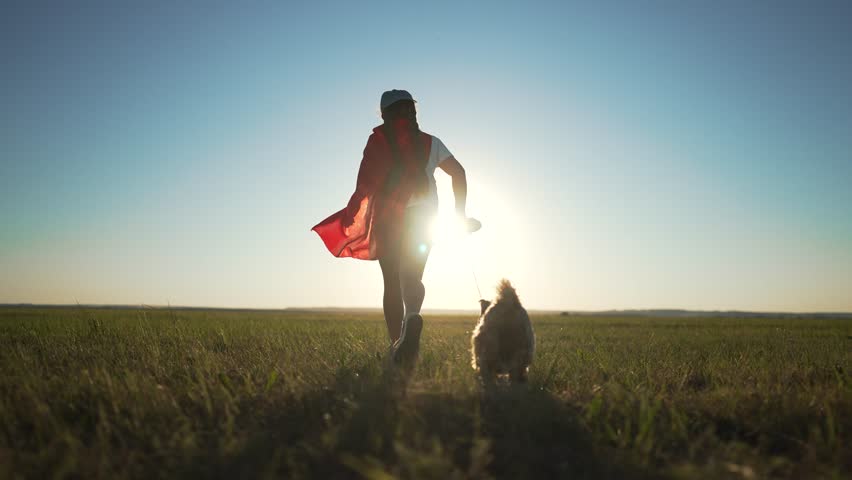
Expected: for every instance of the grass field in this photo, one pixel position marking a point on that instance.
(158, 393)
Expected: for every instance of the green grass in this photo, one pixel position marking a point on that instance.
(154, 393)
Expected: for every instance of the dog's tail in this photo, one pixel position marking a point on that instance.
(506, 293)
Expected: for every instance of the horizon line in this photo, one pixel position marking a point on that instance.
(633, 311)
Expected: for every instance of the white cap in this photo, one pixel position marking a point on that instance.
(392, 96)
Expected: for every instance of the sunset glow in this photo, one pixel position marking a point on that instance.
(683, 157)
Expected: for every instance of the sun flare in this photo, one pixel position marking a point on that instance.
(464, 267)
(447, 228)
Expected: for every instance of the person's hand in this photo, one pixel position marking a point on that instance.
(348, 217)
(351, 210)
(471, 224)
(349, 214)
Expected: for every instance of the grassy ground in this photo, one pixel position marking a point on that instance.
(152, 393)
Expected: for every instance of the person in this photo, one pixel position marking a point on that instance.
(388, 217)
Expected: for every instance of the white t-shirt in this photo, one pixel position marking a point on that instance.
(437, 154)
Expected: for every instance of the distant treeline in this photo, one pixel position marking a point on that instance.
(709, 313)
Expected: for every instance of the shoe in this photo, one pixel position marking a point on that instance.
(406, 348)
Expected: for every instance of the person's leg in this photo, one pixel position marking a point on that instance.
(392, 300)
(412, 261)
(411, 278)
(407, 348)
(416, 246)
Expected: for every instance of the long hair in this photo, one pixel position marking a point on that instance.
(413, 157)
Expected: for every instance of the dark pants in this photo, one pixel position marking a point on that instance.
(402, 268)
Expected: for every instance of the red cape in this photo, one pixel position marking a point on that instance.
(379, 206)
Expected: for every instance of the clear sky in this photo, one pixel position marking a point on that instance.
(621, 155)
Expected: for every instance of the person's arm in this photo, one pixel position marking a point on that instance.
(454, 169)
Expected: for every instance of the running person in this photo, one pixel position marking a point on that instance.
(388, 217)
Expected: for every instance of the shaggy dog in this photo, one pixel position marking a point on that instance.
(503, 341)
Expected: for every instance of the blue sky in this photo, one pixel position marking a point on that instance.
(669, 154)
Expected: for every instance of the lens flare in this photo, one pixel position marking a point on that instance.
(447, 228)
